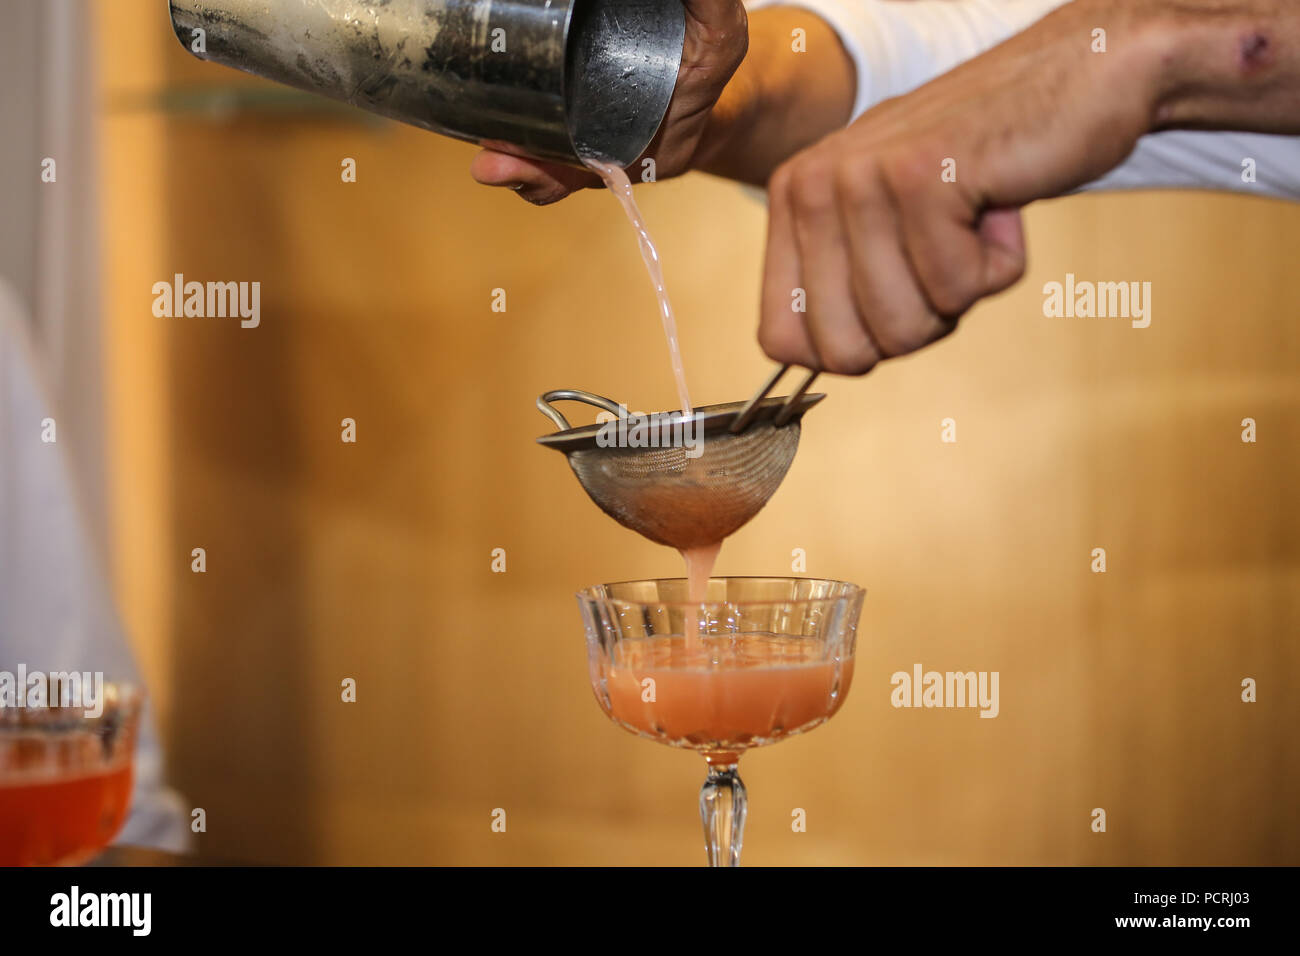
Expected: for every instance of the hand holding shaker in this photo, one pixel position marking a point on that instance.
(553, 79)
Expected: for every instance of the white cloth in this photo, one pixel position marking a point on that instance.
(56, 613)
(898, 45)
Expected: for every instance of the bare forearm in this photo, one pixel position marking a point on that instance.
(890, 253)
(784, 96)
(1226, 65)
(1209, 64)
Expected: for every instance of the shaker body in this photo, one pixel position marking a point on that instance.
(555, 79)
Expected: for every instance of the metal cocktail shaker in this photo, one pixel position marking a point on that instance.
(555, 79)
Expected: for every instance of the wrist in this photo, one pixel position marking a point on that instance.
(732, 117)
(1215, 67)
(795, 85)
(1130, 44)
(1167, 37)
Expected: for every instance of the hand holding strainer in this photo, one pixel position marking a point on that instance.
(683, 482)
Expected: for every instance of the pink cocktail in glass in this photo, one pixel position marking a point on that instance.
(759, 660)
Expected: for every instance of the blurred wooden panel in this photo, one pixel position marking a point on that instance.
(373, 561)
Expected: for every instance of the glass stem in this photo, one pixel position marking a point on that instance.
(722, 810)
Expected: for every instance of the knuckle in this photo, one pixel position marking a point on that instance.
(912, 174)
(901, 336)
(952, 291)
(812, 189)
(778, 185)
(855, 185)
(781, 341)
(853, 361)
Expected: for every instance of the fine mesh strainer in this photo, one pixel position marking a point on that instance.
(683, 482)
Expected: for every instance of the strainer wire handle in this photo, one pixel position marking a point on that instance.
(572, 395)
(747, 413)
(792, 402)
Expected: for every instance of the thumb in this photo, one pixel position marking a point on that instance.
(1002, 236)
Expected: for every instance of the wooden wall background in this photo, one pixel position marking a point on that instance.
(372, 560)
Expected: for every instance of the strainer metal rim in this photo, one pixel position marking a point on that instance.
(713, 419)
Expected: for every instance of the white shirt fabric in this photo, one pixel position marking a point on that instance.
(56, 612)
(898, 45)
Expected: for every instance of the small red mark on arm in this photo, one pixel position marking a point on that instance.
(1256, 51)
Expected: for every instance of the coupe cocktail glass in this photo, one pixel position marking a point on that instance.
(759, 660)
(65, 778)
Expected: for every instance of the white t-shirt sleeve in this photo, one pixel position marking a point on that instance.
(897, 46)
(56, 609)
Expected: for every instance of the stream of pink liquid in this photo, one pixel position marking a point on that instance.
(617, 182)
(700, 560)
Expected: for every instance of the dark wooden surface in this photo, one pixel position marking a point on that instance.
(142, 856)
